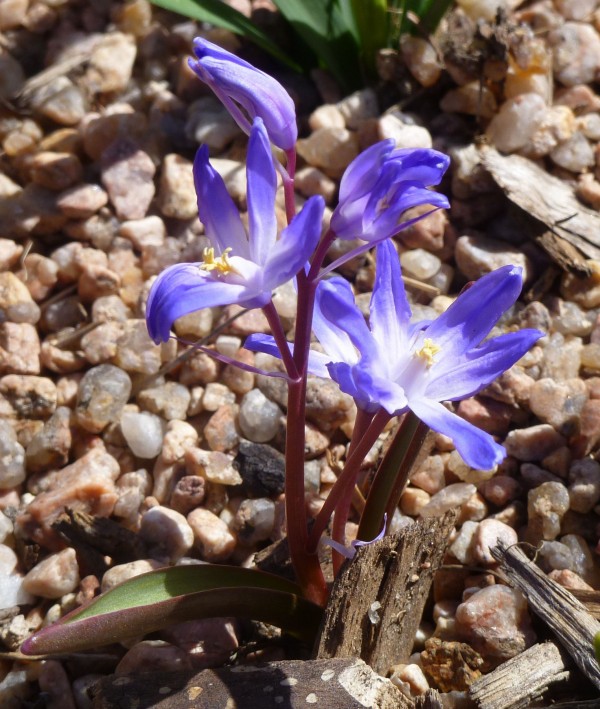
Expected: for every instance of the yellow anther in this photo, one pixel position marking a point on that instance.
(220, 264)
(428, 351)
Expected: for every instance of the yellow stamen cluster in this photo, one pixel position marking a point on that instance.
(428, 351)
(221, 264)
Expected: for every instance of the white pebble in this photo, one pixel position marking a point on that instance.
(143, 432)
(259, 417)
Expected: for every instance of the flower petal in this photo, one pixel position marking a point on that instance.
(259, 94)
(421, 165)
(477, 448)
(362, 173)
(338, 324)
(296, 244)
(317, 361)
(262, 184)
(218, 213)
(389, 309)
(479, 367)
(476, 310)
(183, 289)
(380, 391)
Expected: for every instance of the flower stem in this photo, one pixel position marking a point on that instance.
(275, 323)
(347, 477)
(287, 175)
(391, 476)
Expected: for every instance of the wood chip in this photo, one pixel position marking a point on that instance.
(295, 684)
(550, 200)
(394, 575)
(569, 619)
(521, 680)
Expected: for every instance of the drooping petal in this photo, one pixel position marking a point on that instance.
(296, 244)
(389, 310)
(183, 289)
(262, 184)
(317, 361)
(217, 211)
(451, 381)
(338, 324)
(476, 447)
(343, 374)
(259, 94)
(473, 314)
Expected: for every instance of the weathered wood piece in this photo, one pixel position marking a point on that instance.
(573, 626)
(548, 199)
(377, 600)
(590, 599)
(295, 684)
(520, 680)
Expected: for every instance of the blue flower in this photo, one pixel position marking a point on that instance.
(238, 83)
(393, 364)
(237, 268)
(381, 184)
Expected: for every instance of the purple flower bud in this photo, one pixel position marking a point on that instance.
(381, 184)
(247, 92)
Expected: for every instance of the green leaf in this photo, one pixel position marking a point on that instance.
(329, 29)
(372, 20)
(220, 14)
(155, 600)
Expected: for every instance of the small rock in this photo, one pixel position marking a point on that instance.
(429, 476)
(16, 303)
(575, 154)
(61, 101)
(413, 501)
(86, 485)
(216, 395)
(358, 107)
(30, 396)
(19, 349)
(166, 533)
(122, 572)
(488, 533)
(143, 433)
(50, 447)
(421, 59)
(128, 176)
(584, 487)
(533, 443)
(55, 576)
(558, 404)
(495, 622)
(212, 536)
(331, 149)
(136, 352)
(82, 201)
(311, 181)
(210, 123)
(500, 490)
(111, 63)
(149, 231)
(12, 457)
(39, 274)
(188, 493)
(462, 546)
(576, 52)
(405, 135)
(478, 255)
(153, 656)
(514, 125)
(55, 171)
(451, 496)
(209, 642)
(546, 506)
(180, 437)
(326, 116)
(259, 418)
(103, 392)
(254, 520)
(262, 468)
(410, 680)
(214, 466)
(177, 194)
(562, 357)
(585, 291)
(221, 432)
(132, 488)
(554, 555)
(169, 400)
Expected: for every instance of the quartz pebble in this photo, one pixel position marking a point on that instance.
(16, 303)
(54, 576)
(128, 177)
(533, 443)
(490, 532)
(514, 125)
(221, 431)
(214, 466)
(478, 255)
(143, 433)
(584, 485)
(50, 447)
(331, 149)
(576, 53)
(121, 572)
(495, 622)
(169, 400)
(259, 418)
(180, 437)
(167, 534)
(212, 536)
(103, 392)
(176, 195)
(30, 396)
(135, 350)
(12, 457)
(451, 496)
(254, 520)
(546, 506)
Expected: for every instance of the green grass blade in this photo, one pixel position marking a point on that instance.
(155, 600)
(327, 27)
(222, 15)
(372, 20)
